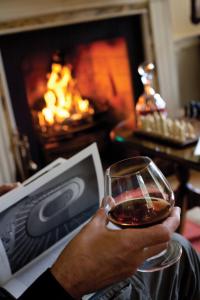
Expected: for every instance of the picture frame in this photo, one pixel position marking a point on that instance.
(195, 11)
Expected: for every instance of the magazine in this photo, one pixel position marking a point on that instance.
(38, 218)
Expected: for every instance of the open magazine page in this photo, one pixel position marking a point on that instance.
(45, 212)
(20, 281)
(16, 192)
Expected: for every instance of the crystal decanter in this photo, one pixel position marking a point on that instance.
(149, 101)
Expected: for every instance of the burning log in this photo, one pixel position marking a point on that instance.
(63, 104)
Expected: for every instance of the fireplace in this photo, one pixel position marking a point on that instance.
(141, 31)
(70, 85)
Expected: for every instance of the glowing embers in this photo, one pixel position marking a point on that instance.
(64, 106)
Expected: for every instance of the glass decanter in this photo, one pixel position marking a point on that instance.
(149, 101)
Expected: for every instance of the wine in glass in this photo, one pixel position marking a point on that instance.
(138, 195)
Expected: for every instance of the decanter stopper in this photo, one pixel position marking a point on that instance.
(149, 101)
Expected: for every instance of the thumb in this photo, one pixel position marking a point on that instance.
(99, 218)
(108, 201)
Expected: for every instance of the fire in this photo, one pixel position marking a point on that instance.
(62, 98)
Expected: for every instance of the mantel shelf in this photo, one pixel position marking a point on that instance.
(44, 14)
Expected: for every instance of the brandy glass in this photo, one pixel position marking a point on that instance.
(138, 195)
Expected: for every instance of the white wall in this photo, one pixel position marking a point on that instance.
(188, 64)
(186, 39)
(182, 26)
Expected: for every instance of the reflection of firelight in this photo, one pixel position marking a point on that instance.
(63, 100)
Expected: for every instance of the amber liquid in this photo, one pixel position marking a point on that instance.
(139, 212)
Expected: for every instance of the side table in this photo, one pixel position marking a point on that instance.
(183, 159)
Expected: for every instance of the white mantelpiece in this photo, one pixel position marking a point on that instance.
(50, 13)
(23, 15)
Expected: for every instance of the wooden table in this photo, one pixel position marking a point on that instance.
(183, 159)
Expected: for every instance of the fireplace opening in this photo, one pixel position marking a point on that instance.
(71, 85)
(79, 89)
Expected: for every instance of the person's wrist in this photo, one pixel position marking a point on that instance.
(67, 282)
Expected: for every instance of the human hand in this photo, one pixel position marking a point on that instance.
(98, 256)
(4, 188)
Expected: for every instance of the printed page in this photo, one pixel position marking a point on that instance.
(5, 271)
(20, 281)
(50, 208)
(18, 190)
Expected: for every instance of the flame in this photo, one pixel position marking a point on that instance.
(62, 98)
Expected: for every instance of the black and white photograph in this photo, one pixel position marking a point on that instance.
(45, 216)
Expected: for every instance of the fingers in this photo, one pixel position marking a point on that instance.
(156, 234)
(99, 218)
(173, 221)
(8, 187)
(108, 202)
(146, 237)
(154, 250)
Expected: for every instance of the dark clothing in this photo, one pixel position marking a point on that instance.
(178, 282)
(181, 281)
(45, 287)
